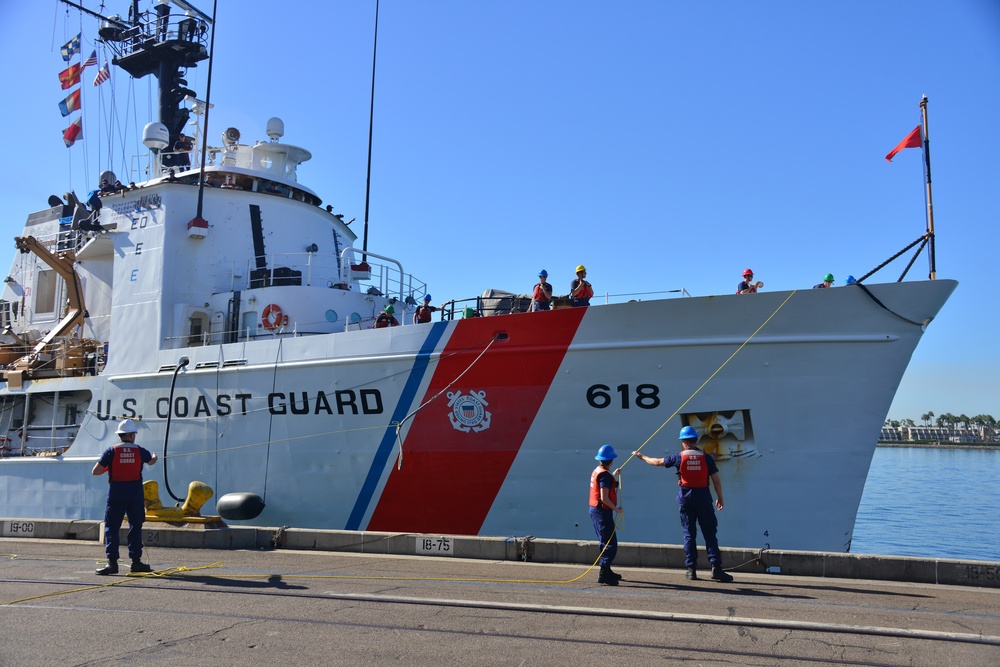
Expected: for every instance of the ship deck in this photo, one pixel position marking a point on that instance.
(322, 598)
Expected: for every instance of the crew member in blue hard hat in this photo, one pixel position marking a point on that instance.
(541, 295)
(422, 315)
(827, 281)
(603, 505)
(123, 462)
(386, 318)
(694, 470)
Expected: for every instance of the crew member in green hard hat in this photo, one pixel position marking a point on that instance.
(386, 318)
(827, 281)
(603, 505)
(694, 470)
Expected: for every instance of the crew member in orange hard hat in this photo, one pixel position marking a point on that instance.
(580, 290)
(603, 505)
(747, 285)
(123, 462)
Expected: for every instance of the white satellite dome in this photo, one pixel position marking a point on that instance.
(275, 128)
(155, 136)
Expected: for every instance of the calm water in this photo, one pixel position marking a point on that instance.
(939, 503)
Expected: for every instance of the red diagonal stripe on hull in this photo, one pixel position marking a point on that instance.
(449, 477)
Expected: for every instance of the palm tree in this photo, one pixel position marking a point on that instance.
(907, 422)
(926, 418)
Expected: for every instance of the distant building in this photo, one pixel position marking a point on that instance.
(935, 434)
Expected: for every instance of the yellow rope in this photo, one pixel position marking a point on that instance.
(710, 377)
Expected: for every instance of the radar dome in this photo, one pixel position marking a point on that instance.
(155, 136)
(275, 128)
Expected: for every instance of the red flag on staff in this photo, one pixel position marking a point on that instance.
(912, 140)
(73, 132)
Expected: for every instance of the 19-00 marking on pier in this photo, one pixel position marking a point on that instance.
(18, 528)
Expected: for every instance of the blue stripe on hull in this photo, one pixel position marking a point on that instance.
(403, 407)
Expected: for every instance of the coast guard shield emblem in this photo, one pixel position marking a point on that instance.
(468, 412)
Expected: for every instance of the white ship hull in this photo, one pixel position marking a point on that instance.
(812, 388)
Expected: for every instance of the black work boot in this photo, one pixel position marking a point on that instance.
(614, 574)
(691, 573)
(139, 566)
(721, 575)
(110, 568)
(607, 577)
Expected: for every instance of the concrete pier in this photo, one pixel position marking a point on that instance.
(526, 548)
(252, 596)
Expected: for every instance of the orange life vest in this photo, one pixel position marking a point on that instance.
(595, 490)
(126, 463)
(423, 314)
(693, 470)
(540, 294)
(585, 292)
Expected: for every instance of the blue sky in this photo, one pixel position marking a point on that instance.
(662, 144)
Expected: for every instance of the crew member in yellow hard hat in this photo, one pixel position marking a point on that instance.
(580, 290)
(603, 505)
(123, 462)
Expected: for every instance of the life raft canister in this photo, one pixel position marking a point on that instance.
(693, 469)
(272, 318)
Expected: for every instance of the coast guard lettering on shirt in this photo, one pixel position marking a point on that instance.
(126, 464)
(693, 469)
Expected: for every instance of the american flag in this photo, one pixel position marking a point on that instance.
(92, 60)
(103, 75)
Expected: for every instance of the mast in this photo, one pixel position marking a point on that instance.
(162, 46)
(927, 173)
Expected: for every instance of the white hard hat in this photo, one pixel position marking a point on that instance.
(126, 426)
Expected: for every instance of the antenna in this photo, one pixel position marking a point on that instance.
(371, 117)
(204, 135)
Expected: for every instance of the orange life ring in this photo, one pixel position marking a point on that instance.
(271, 319)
